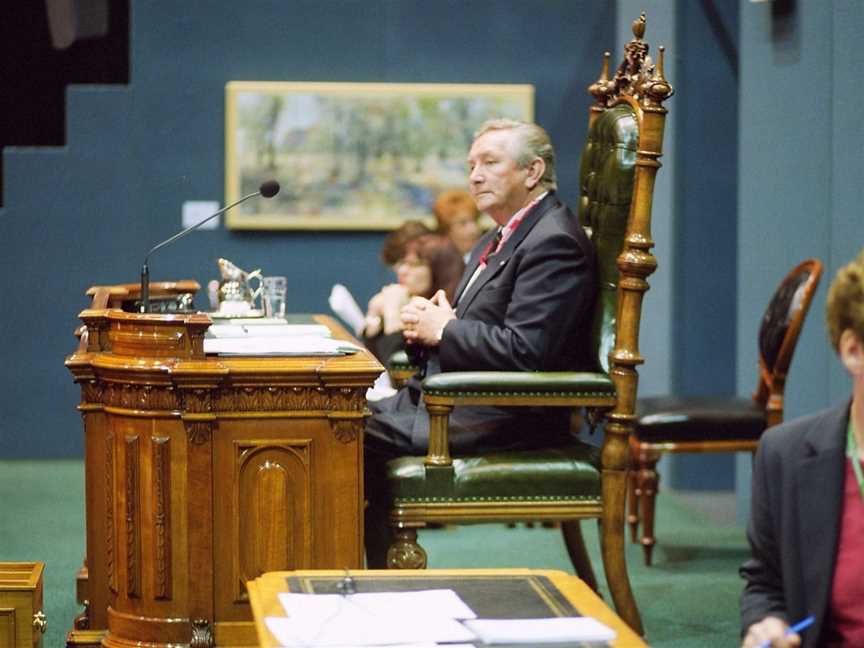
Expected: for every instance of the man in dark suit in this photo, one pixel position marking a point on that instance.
(806, 529)
(524, 303)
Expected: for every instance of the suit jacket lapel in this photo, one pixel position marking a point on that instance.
(498, 261)
(820, 474)
(473, 262)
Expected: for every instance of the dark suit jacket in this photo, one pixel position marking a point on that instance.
(530, 309)
(795, 521)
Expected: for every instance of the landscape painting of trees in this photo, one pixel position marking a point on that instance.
(353, 155)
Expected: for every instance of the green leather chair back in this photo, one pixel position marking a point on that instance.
(606, 191)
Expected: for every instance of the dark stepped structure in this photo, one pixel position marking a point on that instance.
(34, 72)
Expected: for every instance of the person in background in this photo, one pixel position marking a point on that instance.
(429, 263)
(524, 303)
(393, 249)
(806, 528)
(457, 217)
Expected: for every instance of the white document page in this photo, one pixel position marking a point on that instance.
(342, 303)
(435, 602)
(269, 330)
(292, 345)
(371, 619)
(350, 626)
(541, 631)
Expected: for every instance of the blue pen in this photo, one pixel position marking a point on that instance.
(798, 627)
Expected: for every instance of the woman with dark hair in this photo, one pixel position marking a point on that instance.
(430, 263)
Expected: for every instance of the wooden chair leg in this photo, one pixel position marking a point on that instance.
(572, 532)
(649, 481)
(634, 491)
(406, 552)
(612, 548)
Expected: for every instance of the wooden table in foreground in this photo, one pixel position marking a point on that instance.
(204, 471)
(264, 589)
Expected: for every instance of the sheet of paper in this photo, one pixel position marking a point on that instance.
(233, 330)
(248, 321)
(371, 619)
(352, 626)
(541, 631)
(342, 303)
(292, 345)
(435, 602)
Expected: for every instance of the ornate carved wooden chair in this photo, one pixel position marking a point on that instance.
(716, 424)
(571, 483)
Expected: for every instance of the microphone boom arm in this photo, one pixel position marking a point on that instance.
(145, 269)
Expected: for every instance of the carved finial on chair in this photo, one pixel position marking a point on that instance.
(602, 87)
(655, 88)
(633, 66)
(639, 26)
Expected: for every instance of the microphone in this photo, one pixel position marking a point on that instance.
(267, 189)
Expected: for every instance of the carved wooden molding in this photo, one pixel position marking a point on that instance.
(199, 432)
(162, 517)
(133, 535)
(264, 398)
(346, 430)
(109, 513)
(145, 397)
(91, 391)
(202, 634)
(197, 400)
(351, 399)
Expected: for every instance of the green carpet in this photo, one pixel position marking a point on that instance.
(689, 598)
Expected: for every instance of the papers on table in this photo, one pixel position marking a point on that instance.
(422, 619)
(292, 345)
(541, 631)
(274, 338)
(438, 602)
(371, 619)
(281, 329)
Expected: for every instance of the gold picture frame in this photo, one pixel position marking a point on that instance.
(353, 156)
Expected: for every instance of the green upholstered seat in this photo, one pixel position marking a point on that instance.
(551, 475)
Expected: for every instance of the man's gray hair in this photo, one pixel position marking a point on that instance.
(532, 142)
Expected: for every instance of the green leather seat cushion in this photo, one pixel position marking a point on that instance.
(549, 383)
(554, 474)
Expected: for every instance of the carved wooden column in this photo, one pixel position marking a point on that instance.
(643, 86)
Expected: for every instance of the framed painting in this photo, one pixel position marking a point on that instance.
(353, 156)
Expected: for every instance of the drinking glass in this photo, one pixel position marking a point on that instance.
(274, 293)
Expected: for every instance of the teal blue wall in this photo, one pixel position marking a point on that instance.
(87, 212)
(801, 183)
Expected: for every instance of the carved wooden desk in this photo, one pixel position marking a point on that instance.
(204, 472)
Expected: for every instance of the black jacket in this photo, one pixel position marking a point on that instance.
(797, 503)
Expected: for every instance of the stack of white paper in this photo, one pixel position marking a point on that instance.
(270, 330)
(372, 619)
(291, 345)
(541, 631)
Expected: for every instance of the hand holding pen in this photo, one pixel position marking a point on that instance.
(772, 632)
